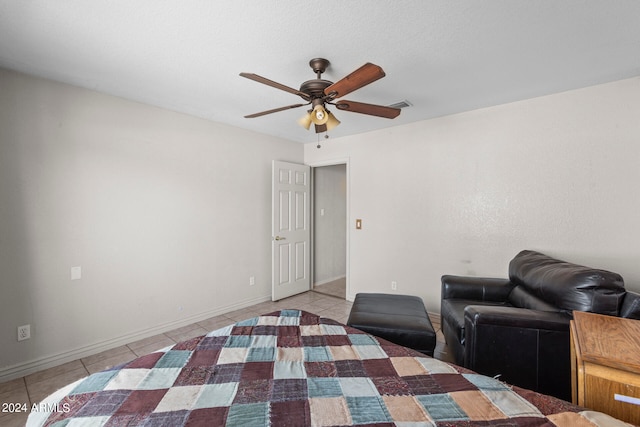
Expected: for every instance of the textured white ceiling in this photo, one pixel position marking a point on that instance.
(443, 56)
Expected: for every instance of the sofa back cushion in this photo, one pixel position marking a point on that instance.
(567, 286)
(522, 298)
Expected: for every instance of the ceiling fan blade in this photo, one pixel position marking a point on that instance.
(275, 110)
(370, 109)
(277, 85)
(364, 75)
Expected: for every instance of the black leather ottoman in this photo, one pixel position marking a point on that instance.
(401, 319)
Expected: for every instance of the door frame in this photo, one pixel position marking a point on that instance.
(332, 162)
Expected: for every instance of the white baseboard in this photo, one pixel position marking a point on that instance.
(29, 367)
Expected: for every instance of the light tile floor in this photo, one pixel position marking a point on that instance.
(35, 387)
(337, 288)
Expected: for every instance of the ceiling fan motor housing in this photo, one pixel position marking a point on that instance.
(315, 88)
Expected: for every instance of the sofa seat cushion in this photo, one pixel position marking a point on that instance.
(400, 319)
(568, 286)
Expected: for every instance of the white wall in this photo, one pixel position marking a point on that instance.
(167, 215)
(162, 210)
(463, 194)
(329, 210)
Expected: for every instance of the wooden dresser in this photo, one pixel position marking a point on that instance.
(605, 364)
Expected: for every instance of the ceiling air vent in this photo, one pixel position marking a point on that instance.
(401, 104)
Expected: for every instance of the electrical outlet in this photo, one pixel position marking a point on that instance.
(252, 280)
(24, 332)
(394, 285)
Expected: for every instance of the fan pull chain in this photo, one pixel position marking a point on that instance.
(326, 136)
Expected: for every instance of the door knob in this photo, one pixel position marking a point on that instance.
(280, 238)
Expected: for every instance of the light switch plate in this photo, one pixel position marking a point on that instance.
(76, 273)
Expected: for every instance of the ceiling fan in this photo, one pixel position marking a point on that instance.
(319, 92)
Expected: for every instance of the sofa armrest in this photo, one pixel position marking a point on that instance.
(528, 348)
(516, 318)
(475, 288)
(630, 308)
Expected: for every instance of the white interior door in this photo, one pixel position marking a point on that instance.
(291, 229)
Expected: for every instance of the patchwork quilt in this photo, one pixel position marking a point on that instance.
(293, 368)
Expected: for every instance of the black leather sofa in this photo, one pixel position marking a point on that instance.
(518, 328)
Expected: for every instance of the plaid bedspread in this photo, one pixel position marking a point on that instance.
(294, 368)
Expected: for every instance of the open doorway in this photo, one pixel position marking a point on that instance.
(330, 230)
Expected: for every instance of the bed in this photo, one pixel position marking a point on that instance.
(291, 367)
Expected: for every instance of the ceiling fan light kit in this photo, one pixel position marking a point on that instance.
(320, 116)
(319, 92)
(305, 121)
(332, 122)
